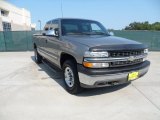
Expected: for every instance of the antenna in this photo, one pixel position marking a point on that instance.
(61, 9)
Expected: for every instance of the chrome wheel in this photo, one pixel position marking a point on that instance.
(69, 76)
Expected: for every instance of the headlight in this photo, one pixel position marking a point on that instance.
(146, 51)
(95, 64)
(96, 54)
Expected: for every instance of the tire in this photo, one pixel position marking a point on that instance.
(71, 78)
(37, 56)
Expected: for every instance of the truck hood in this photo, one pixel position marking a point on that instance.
(106, 42)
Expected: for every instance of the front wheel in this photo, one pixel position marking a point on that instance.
(71, 78)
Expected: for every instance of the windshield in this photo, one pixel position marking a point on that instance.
(85, 27)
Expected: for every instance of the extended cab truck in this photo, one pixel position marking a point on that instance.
(88, 55)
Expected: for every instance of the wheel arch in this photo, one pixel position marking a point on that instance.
(65, 56)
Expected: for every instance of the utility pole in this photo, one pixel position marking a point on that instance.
(61, 9)
(40, 25)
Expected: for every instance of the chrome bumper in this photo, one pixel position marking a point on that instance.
(92, 81)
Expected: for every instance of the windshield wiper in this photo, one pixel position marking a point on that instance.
(73, 33)
(87, 33)
(95, 33)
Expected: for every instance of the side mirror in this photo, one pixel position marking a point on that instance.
(53, 33)
(111, 33)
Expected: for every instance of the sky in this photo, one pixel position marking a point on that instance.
(113, 14)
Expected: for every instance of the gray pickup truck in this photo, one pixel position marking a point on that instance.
(89, 55)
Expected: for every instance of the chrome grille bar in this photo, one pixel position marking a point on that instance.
(113, 59)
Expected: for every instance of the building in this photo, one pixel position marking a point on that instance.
(13, 18)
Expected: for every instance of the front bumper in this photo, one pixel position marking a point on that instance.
(91, 78)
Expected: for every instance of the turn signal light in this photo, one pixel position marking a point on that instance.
(95, 65)
(88, 64)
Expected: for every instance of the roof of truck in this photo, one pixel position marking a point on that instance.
(69, 19)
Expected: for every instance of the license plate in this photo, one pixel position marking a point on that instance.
(133, 76)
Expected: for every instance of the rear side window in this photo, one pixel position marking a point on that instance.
(54, 25)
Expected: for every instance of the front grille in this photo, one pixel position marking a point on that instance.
(125, 63)
(125, 53)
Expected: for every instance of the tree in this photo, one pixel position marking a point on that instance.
(143, 26)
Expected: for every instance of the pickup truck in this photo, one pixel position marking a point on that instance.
(89, 55)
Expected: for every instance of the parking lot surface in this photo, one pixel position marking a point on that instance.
(36, 92)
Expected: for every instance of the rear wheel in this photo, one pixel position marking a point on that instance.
(71, 78)
(38, 57)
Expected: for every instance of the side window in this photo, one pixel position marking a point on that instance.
(86, 27)
(54, 25)
(51, 25)
(95, 28)
(49, 22)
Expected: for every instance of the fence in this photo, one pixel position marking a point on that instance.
(22, 40)
(150, 38)
(16, 40)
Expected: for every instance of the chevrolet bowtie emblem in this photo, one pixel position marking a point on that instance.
(131, 58)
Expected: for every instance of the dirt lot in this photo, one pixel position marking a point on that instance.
(36, 92)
